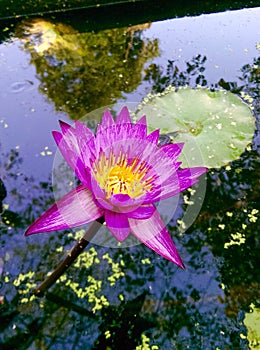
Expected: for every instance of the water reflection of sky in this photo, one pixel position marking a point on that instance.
(27, 117)
(228, 40)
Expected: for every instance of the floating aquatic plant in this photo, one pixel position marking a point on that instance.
(215, 126)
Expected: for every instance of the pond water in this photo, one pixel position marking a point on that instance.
(127, 297)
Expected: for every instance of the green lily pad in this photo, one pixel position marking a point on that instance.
(215, 126)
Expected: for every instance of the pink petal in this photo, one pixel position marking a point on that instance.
(82, 131)
(142, 121)
(69, 135)
(166, 177)
(190, 174)
(143, 212)
(153, 234)
(57, 137)
(68, 153)
(172, 150)
(139, 129)
(124, 116)
(107, 119)
(177, 184)
(99, 196)
(74, 209)
(64, 127)
(124, 202)
(73, 158)
(106, 137)
(122, 131)
(81, 141)
(177, 165)
(78, 138)
(153, 137)
(68, 140)
(117, 224)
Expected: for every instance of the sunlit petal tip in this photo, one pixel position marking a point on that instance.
(117, 224)
(82, 131)
(180, 145)
(196, 171)
(182, 266)
(124, 116)
(120, 234)
(153, 234)
(64, 127)
(177, 165)
(107, 119)
(163, 245)
(172, 150)
(79, 125)
(29, 231)
(57, 137)
(74, 209)
(142, 120)
(153, 137)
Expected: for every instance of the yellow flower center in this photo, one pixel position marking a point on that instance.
(119, 176)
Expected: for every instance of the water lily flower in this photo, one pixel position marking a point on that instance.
(123, 173)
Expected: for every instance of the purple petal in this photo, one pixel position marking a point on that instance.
(174, 185)
(143, 212)
(142, 126)
(138, 131)
(124, 202)
(64, 127)
(142, 121)
(162, 168)
(185, 175)
(177, 165)
(172, 150)
(153, 137)
(82, 131)
(124, 116)
(107, 119)
(67, 153)
(72, 158)
(117, 224)
(74, 209)
(68, 137)
(99, 196)
(120, 132)
(77, 137)
(57, 137)
(105, 137)
(153, 234)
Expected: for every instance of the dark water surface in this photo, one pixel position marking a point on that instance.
(126, 298)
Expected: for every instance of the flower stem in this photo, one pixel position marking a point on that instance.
(70, 258)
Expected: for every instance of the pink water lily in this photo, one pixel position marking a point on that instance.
(123, 172)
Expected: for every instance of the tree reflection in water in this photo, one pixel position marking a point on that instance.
(81, 72)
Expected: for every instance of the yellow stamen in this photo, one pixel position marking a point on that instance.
(119, 176)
